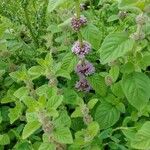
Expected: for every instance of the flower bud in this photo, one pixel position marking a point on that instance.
(108, 80)
(137, 36)
(141, 19)
(77, 23)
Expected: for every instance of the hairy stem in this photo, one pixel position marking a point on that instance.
(78, 12)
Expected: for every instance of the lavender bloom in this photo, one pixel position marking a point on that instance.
(85, 69)
(83, 85)
(81, 50)
(77, 23)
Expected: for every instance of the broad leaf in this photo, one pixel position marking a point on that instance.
(63, 135)
(93, 35)
(115, 45)
(106, 115)
(141, 140)
(30, 128)
(136, 87)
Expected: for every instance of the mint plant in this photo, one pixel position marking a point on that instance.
(74, 75)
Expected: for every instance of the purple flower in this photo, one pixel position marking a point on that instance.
(77, 23)
(81, 50)
(83, 85)
(85, 69)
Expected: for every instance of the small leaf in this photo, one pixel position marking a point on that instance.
(98, 84)
(4, 139)
(92, 103)
(36, 71)
(54, 102)
(114, 73)
(47, 146)
(14, 113)
(21, 92)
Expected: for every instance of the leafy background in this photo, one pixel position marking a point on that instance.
(40, 107)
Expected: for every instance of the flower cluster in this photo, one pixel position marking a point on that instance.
(81, 48)
(139, 34)
(84, 69)
(83, 85)
(77, 23)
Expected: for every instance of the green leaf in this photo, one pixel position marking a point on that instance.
(114, 73)
(14, 113)
(47, 146)
(20, 75)
(68, 62)
(53, 4)
(36, 71)
(93, 35)
(77, 113)
(30, 128)
(117, 90)
(4, 139)
(63, 120)
(141, 140)
(54, 102)
(145, 62)
(63, 73)
(115, 45)
(136, 87)
(98, 84)
(63, 135)
(92, 103)
(92, 130)
(21, 92)
(106, 115)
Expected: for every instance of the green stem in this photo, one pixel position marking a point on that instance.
(30, 28)
(78, 12)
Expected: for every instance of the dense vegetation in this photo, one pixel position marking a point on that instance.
(74, 74)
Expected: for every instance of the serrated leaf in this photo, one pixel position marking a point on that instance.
(54, 102)
(141, 140)
(47, 146)
(136, 87)
(30, 128)
(68, 62)
(97, 82)
(63, 135)
(115, 45)
(114, 73)
(14, 113)
(106, 115)
(92, 130)
(36, 71)
(92, 103)
(4, 139)
(53, 4)
(21, 92)
(93, 35)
